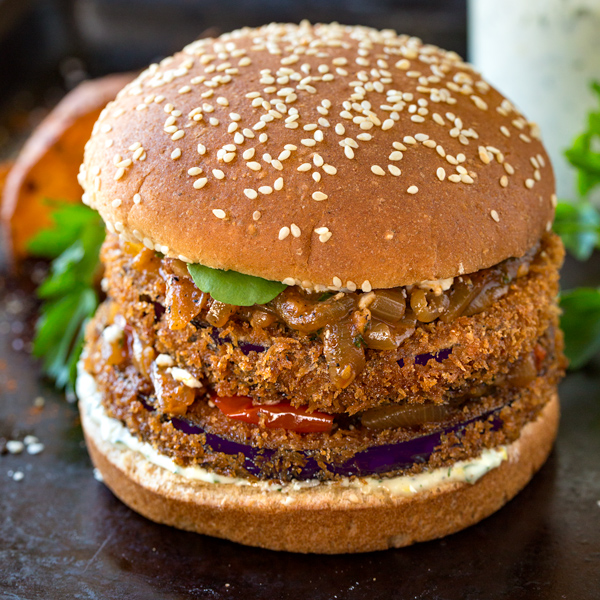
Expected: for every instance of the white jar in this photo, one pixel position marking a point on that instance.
(542, 54)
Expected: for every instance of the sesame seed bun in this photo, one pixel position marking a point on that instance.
(324, 519)
(257, 152)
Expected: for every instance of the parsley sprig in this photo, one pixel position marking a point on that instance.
(578, 224)
(69, 293)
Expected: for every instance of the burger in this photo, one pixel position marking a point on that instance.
(330, 321)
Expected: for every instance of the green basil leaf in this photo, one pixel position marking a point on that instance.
(231, 287)
(580, 323)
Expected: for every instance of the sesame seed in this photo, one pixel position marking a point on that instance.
(348, 152)
(413, 189)
(319, 196)
(120, 172)
(441, 173)
(537, 175)
(138, 153)
(417, 119)
(397, 155)
(283, 233)
(116, 203)
(200, 183)
(263, 137)
(495, 216)
(256, 215)
(505, 131)
(321, 230)
(329, 169)
(318, 160)
(504, 181)
(250, 193)
(137, 199)
(276, 164)
(366, 286)
(278, 185)
(340, 129)
(220, 214)
(377, 170)
(194, 171)
(178, 135)
(466, 178)
(387, 124)
(265, 189)
(218, 173)
(394, 170)
(454, 178)
(438, 119)
(248, 154)
(176, 153)
(255, 166)
(408, 139)
(484, 156)
(529, 183)
(201, 149)
(295, 230)
(324, 237)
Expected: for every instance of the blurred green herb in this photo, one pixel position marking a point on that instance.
(578, 224)
(69, 296)
(582, 155)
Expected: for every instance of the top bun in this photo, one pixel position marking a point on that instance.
(321, 156)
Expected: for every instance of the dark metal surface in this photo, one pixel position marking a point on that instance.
(64, 535)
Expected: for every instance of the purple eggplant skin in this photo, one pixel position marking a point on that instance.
(423, 359)
(374, 461)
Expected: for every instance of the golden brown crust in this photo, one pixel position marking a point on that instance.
(324, 519)
(381, 235)
(484, 345)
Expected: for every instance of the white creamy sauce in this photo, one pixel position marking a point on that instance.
(114, 432)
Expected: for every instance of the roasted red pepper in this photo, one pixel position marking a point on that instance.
(274, 416)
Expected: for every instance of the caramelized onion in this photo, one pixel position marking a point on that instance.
(219, 313)
(344, 359)
(427, 306)
(388, 305)
(387, 417)
(184, 301)
(300, 313)
(489, 292)
(261, 319)
(380, 337)
(460, 296)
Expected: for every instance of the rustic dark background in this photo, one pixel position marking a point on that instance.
(64, 535)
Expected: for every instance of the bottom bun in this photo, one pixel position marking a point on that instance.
(324, 518)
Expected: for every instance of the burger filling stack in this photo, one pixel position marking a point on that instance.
(330, 321)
